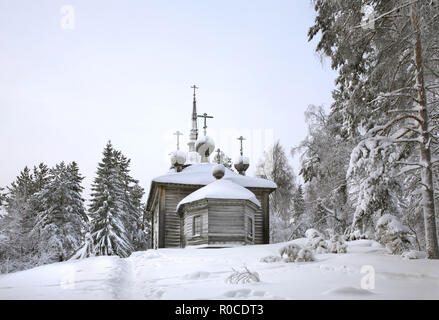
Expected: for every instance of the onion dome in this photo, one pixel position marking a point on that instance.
(241, 164)
(218, 171)
(205, 146)
(178, 159)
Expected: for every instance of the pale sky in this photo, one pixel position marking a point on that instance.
(124, 73)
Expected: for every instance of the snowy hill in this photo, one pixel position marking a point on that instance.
(200, 274)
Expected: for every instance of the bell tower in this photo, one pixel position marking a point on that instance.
(194, 131)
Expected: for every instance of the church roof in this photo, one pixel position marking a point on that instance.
(220, 189)
(201, 174)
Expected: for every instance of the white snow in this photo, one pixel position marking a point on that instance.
(205, 140)
(201, 273)
(392, 223)
(201, 174)
(242, 159)
(220, 189)
(193, 157)
(178, 157)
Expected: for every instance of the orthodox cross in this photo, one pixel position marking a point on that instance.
(178, 134)
(218, 151)
(241, 138)
(195, 88)
(205, 116)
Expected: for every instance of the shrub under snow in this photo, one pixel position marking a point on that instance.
(290, 251)
(269, 259)
(316, 241)
(336, 244)
(244, 276)
(356, 235)
(413, 254)
(391, 233)
(305, 255)
(295, 253)
(328, 233)
(312, 233)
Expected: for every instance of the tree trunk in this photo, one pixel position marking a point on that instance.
(425, 151)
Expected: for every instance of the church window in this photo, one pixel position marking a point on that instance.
(196, 227)
(250, 227)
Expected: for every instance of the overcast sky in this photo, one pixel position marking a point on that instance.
(122, 70)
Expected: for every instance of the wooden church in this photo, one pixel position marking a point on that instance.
(205, 204)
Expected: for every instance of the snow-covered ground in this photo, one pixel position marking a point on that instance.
(200, 274)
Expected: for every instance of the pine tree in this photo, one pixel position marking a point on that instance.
(147, 226)
(108, 201)
(139, 231)
(131, 202)
(20, 246)
(61, 219)
(2, 197)
(299, 202)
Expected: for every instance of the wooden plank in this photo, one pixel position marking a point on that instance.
(266, 219)
(226, 221)
(188, 228)
(161, 230)
(173, 237)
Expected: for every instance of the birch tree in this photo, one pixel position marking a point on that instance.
(387, 85)
(275, 166)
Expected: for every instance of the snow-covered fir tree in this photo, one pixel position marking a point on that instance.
(2, 197)
(61, 218)
(19, 246)
(115, 207)
(299, 202)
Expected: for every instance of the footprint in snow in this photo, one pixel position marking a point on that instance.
(348, 291)
(250, 294)
(196, 275)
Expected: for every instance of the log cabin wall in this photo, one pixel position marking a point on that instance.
(262, 220)
(172, 196)
(155, 227)
(198, 208)
(226, 221)
(250, 212)
(167, 225)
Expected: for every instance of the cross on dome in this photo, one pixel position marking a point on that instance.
(218, 154)
(205, 116)
(178, 134)
(195, 88)
(241, 138)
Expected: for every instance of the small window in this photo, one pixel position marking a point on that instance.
(196, 227)
(250, 227)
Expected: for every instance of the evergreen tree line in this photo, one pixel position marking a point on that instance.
(44, 218)
(372, 161)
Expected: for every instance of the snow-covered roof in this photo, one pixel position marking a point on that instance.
(201, 174)
(220, 189)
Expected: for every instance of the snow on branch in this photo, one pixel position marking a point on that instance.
(244, 276)
(388, 13)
